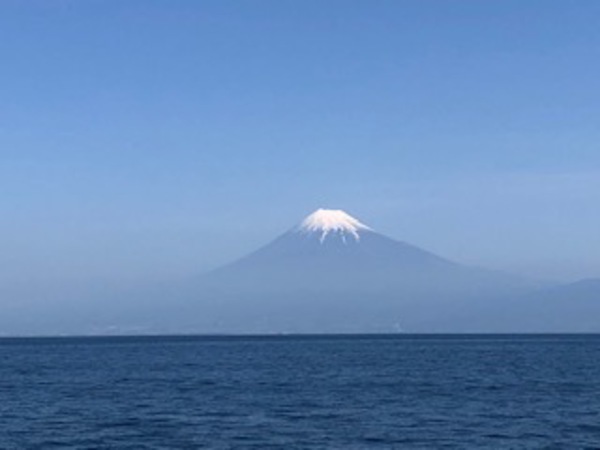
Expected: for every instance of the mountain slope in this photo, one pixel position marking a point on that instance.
(568, 308)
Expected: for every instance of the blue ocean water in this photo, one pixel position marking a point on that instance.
(347, 392)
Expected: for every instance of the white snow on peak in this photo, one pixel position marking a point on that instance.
(325, 221)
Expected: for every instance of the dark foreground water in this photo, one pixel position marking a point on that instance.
(358, 392)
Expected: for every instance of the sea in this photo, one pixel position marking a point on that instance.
(301, 392)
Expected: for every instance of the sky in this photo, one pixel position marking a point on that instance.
(157, 139)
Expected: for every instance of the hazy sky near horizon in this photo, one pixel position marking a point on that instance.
(144, 140)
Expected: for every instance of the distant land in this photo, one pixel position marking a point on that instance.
(330, 274)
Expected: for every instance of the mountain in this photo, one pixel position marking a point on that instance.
(333, 273)
(567, 308)
(329, 274)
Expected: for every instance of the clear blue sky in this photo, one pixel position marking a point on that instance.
(155, 139)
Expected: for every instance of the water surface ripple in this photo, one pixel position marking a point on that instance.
(347, 392)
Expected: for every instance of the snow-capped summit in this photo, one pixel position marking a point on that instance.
(325, 221)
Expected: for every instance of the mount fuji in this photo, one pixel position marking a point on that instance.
(333, 273)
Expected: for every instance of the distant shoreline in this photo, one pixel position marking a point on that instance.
(299, 336)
